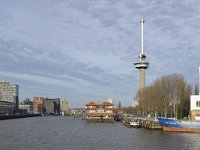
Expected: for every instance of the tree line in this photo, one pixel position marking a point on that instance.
(168, 96)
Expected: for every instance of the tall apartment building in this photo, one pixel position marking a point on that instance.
(65, 107)
(9, 93)
(38, 105)
(51, 106)
(46, 105)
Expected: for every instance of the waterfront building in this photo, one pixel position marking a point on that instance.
(99, 112)
(9, 96)
(7, 107)
(51, 106)
(65, 107)
(47, 106)
(195, 104)
(26, 105)
(38, 105)
(195, 107)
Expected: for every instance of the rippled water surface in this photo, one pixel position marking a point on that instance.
(67, 133)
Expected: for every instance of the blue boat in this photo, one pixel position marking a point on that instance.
(174, 125)
(170, 122)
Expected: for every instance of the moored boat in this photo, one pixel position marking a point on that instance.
(134, 124)
(185, 129)
(174, 125)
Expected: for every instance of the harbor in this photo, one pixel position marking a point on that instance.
(99, 75)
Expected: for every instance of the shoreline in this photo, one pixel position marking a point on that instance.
(6, 117)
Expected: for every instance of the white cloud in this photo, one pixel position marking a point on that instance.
(89, 47)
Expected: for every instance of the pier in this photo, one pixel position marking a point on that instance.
(150, 124)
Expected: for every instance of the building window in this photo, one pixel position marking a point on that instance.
(197, 103)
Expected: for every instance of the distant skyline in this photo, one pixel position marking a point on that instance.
(84, 50)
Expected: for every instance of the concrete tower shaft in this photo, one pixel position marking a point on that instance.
(142, 78)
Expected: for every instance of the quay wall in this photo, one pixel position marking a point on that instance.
(5, 117)
(150, 124)
(146, 123)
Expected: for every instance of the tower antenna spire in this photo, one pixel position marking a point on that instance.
(142, 35)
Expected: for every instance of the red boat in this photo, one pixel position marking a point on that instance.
(184, 130)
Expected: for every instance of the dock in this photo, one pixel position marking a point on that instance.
(150, 124)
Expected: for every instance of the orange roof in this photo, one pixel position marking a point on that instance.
(106, 104)
(91, 104)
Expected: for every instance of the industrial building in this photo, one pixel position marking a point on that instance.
(9, 97)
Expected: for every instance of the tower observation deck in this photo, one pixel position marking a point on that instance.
(142, 64)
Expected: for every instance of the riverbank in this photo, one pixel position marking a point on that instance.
(5, 117)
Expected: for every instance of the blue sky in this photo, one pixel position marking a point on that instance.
(84, 50)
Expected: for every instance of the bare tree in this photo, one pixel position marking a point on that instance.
(168, 95)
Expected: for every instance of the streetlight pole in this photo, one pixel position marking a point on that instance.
(175, 110)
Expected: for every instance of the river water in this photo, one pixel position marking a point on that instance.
(67, 133)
